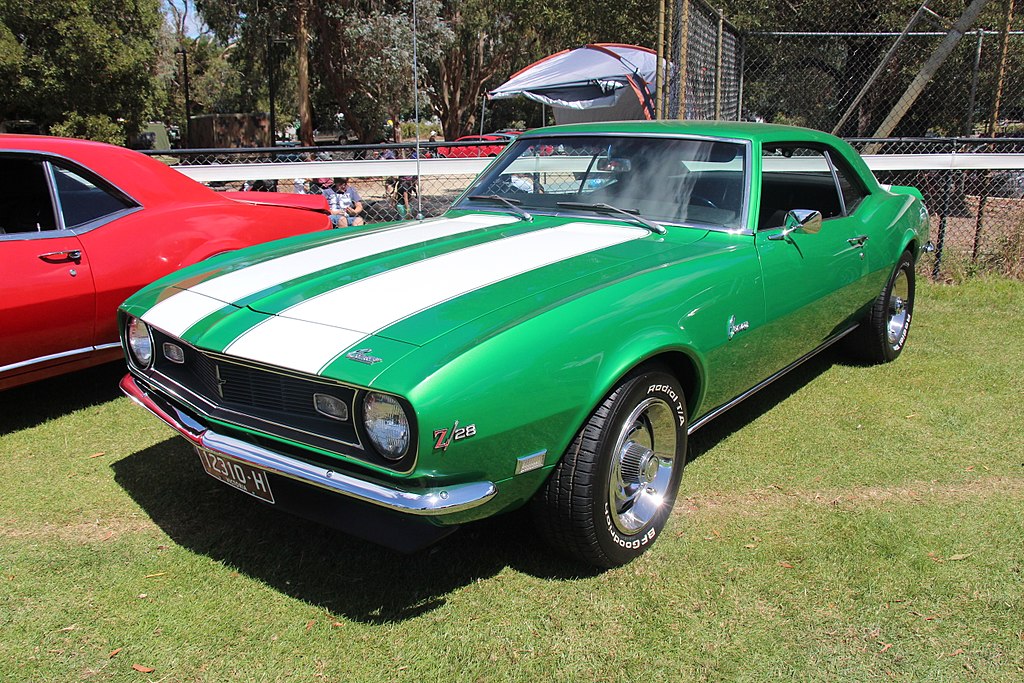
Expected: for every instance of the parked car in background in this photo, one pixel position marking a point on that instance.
(482, 149)
(551, 341)
(85, 224)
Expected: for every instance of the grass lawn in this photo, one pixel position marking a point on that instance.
(847, 524)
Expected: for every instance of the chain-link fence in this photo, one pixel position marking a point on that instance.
(407, 182)
(860, 83)
(974, 191)
(703, 53)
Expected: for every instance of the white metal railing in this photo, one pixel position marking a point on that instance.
(379, 168)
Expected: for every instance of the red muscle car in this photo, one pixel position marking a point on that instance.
(84, 224)
(486, 146)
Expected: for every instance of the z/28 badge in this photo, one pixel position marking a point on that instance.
(443, 437)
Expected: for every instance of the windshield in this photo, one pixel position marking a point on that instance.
(668, 180)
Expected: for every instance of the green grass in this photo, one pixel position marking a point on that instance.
(849, 524)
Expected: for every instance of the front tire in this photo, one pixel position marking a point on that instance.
(883, 332)
(608, 499)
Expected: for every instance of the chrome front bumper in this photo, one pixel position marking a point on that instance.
(425, 502)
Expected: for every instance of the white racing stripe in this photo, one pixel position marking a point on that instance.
(309, 336)
(175, 316)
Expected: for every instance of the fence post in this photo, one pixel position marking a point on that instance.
(660, 71)
(718, 66)
(946, 191)
(743, 66)
(969, 123)
(982, 201)
(684, 46)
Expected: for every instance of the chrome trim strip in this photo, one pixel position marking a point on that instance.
(428, 502)
(53, 356)
(707, 417)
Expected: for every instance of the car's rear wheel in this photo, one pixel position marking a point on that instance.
(610, 496)
(883, 332)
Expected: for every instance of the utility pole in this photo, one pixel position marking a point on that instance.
(188, 99)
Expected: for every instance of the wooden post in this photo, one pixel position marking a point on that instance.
(659, 73)
(1000, 81)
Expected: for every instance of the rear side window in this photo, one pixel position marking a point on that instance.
(849, 186)
(25, 202)
(81, 201)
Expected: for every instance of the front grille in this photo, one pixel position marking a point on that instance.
(280, 401)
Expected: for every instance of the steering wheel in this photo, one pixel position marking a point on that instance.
(698, 200)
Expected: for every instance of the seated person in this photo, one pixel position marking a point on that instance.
(344, 200)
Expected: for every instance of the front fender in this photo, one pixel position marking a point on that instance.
(527, 386)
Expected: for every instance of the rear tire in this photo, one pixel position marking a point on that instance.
(608, 499)
(883, 331)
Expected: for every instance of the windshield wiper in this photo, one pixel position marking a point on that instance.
(608, 208)
(511, 203)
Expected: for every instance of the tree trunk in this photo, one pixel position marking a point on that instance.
(302, 60)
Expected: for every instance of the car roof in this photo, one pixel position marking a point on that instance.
(736, 130)
(144, 179)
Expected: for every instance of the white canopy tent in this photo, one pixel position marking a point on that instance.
(599, 82)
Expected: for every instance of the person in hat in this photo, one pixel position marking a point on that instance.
(345, 202)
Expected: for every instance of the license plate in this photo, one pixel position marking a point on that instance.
(239, 475)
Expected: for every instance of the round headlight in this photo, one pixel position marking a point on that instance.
(140, 342)
(387, 425)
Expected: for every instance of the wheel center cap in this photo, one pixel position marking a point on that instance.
(649, 468)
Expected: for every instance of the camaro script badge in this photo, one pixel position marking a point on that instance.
(735, 327)
(363, 356)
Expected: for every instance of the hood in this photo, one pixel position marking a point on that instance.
(402, 285)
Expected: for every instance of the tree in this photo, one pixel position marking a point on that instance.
(488, 41)
(363, 59)
(79, 67)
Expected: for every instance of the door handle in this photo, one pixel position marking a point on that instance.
(60, 256)
(858, 241)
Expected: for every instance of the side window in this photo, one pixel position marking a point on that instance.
(849, 184)
(81, 201)
(795, 177)
(25, 202)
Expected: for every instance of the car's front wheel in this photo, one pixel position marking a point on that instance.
(610, 496)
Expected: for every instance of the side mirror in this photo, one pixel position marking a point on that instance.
(802, 221)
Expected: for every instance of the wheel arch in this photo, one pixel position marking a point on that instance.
(681, 362)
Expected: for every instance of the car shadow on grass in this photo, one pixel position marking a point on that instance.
(31, 405)
(741, 415)
(345, 576)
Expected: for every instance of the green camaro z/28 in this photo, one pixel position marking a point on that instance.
(599, 293)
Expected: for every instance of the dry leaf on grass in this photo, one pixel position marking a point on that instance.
(96, 455)
(143, 669)
(113, 653)
(786, 565)
(309, 624)
(957, 558)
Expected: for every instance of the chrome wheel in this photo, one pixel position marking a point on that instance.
(899, 299)
(643, 460)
